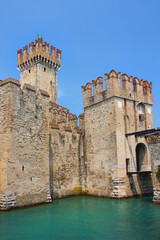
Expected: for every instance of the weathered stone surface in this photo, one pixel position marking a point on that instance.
(44, 155)
(110, 156)
(155, 158)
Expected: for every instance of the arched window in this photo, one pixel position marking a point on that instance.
(140, 109)
(141, 156)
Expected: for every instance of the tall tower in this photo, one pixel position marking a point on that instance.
(116, 154)
(39, 67)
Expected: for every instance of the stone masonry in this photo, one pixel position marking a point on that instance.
(154, 147)
(45, 154)
(108, 116)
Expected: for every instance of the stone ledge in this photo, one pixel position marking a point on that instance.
(29, 87)
(10, 80)
(54, 126)
(67, 129)
(44, 93)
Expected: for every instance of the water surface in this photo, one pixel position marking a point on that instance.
(84, 218)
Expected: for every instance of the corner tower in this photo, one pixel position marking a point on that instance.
(39, 67)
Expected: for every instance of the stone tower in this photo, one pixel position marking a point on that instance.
(39, 67)
(114, 120)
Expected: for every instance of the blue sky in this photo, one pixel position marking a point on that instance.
(94, 36)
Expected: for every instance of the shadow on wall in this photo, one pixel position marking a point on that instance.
(141, 180)
(50, 167)
(132, 185)
(144, 181)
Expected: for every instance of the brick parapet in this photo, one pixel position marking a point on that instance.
(62, 117)
(39, 52)
(132, 88)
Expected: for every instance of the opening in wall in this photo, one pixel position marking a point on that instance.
(127, 164)
(141, 156)
(141, 117)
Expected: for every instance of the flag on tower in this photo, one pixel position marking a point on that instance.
(38, 37)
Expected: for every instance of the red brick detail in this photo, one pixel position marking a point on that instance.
(151, 139)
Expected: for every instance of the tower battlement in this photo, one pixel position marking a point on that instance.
(39, 52)
(132, 88)
(39, 66)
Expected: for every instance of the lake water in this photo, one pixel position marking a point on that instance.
(84, 218)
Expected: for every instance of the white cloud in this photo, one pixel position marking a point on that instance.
(60, 92)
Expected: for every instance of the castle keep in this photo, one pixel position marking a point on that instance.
(45, 154)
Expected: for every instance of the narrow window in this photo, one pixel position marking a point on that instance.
(44, 69)
(29, 70)
(127, 165)
(141, 117)
(23, 168)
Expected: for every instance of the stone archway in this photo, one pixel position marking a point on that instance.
(143, 174)
(141, 157)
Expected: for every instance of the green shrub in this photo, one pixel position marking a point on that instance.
(158, 173)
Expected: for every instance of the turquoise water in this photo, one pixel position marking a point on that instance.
(84, 218)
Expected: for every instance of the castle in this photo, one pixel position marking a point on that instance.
(45, 155)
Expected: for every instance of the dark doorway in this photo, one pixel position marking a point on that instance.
(141, 156)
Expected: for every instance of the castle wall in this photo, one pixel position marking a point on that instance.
(100, 148)
(154, 146)
(66, 162)
(26, 148)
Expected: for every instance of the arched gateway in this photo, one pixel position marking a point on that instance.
(141, 157)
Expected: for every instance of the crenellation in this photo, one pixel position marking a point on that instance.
(46, 47)
(31, 48)
(127, 82)
(25, 52)
(133, 89)
(97, 85)
(87, 93)
(39, 67)
(36, 51)
(53, 51)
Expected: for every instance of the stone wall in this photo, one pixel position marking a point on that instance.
(100, 148)
(66, 162)
(154, 146)
(25, 152)
(41, 150)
